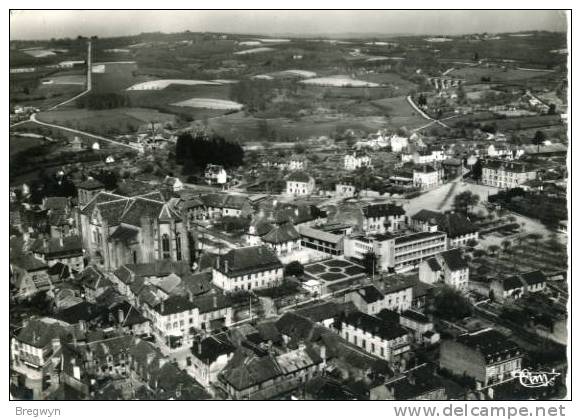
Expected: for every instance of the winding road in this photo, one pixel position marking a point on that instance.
(34, 119)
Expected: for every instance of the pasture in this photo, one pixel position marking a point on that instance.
(105, 122)
(400, 113)
(496, 74)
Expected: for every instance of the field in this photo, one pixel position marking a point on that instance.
(496, 74)
(19, 143)
(238, 126)
(74, 79)
(163, 100)
(209, 104)
(162, 84)
(254, 50)
(39, 53)
(105, 122)
(400, 112)
(114, 77)
(339, 81)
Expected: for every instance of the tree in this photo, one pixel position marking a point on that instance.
(370, 263)
(477, 170)
(539, 139)
(535, 237)
(472, 243)
(450, 304)
(493, 249)
(465, 200)
(294, 268)
(552, 109)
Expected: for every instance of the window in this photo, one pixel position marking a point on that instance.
(165, 246)
(178, 247)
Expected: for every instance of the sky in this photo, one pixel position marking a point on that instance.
(35, 24)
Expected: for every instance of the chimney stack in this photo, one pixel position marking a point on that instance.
(162, 307)
(215, 301)
(190, 296)
(200, 346)
(226, 266)
(120, 316)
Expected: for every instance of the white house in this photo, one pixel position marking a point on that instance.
(357, 160)
(215, 174)
(247, 268)
(300, 184)
(427, 176)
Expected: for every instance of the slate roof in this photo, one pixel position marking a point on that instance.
(433, 264)
(85, 311)
(370, 293)
(378, 327)
(247, 260)
(490, 343)
(454, 260)
(209, 349)
(512, 282)
(506, 166)
(321, 311)
(281, 234)
(382, 210)
(415, 316)
(454, 224)
(55, 247)
(29, 263)
(55, 203)
(298, 327)
(299, 176)
(40, 331)
(534, 277)
(205, 303)
(424, 381)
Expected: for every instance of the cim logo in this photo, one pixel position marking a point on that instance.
(530, 379)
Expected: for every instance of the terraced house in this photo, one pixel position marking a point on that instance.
(120, 230)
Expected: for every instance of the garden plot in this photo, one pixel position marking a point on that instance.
(334, 270)
(339, 81)
(164, 83)
(209, 103)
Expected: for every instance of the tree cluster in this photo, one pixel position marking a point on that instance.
(96, 101)
(195, 151)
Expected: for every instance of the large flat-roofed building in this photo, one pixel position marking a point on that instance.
(319, 240)
(247, 268)
(396, 251)
(502, 174)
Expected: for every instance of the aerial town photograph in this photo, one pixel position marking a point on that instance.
(289, 205)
